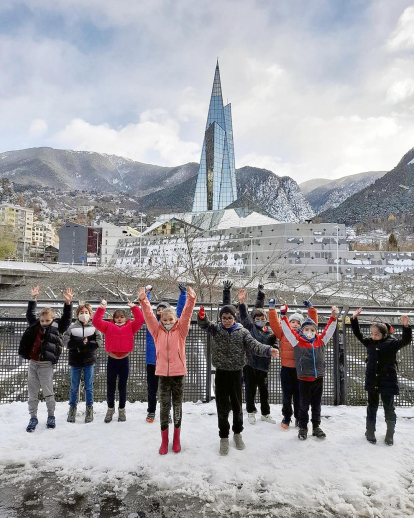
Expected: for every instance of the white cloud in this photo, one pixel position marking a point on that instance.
(38, 127)
(403, 36)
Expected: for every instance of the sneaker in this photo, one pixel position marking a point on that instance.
(268, 419)
(224, 446)
(285, 423)
(237, 438)
(89, 414)
(318, 432)
(32, 424)
(71, 414)
(109, 414)
(303, 434)
(150, 417)
(121, 414)
(251, 417)
(51, 423)
(370, 435)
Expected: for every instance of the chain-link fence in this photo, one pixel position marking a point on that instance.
(343, 383)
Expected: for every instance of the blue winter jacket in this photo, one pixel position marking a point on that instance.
(150, 354)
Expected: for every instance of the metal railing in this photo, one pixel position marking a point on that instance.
(343, 383)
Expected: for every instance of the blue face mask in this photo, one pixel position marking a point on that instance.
(260, 323)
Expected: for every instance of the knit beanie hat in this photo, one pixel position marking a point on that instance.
(163, 305)
(297, 316)
(228, 309)
(309, 322)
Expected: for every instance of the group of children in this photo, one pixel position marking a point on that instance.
(242, 347)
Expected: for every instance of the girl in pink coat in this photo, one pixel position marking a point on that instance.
(119, 342)
(169, 336)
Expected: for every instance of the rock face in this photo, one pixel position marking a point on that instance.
(333, 193)
(393, 193)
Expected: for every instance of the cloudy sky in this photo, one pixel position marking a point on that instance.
(320, 88)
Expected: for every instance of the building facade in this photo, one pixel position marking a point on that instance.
(216, 180)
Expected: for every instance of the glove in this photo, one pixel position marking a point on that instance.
(283, 309)
(307, 304)
(227, 285)
(182, 287)
(148, 288)
(260, 287)
(272, 303)
(202, 313)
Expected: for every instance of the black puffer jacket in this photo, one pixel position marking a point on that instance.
(264, 335)
(81, 353)
(381, 370)
(51, 345)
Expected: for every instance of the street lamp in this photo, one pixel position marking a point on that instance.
(337, 252)
(251, 256)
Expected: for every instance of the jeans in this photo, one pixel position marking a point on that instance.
(152, 388)
(253, 379)
(290, 389)
(310, 393)
(228, 390)
(373, 402)
(75, 376)
(117, 369)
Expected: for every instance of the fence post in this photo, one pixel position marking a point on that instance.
(342, 360)
(208, 369)
(336, 366)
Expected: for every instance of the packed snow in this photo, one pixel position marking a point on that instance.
(276, 475)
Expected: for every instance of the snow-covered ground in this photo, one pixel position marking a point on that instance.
(276, 475)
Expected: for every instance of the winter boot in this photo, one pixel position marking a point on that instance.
(237, 438)
(370, 433)
(285, 423)
(251, 417)
(89, 414)
(318, 432)
(32, 424)
(51, 423)
(150, 417)
(268, 418)
(296, 423)
(176, 440)
(71, 414)
(389, 436)
(121, 414)
(303, 434)
(109, 414)
(224, 446)
(164, 442)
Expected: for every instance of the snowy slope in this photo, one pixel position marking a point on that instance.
(276, 475)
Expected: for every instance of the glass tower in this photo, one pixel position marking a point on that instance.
(216, 179)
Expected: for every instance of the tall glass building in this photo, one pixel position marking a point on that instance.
(216, 180)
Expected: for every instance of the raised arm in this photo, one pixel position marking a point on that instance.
(138, 321)
(260, 297)
(31, 306)
(182, 299)
(355, 328)
(97, 321)
(204, 323)
(152, 323)
(66, 319)
(406, 333)
(330, 327)
(185, 319)
(274, 320)
(226, 292)
(245, 319)
(287, 330)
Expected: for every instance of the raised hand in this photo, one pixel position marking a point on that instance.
(130, 304)
(103, 304)
(334, 312)
(227, 285)
(242, 295)
(141, 293)
(356, 313)
(181, 287)
(284, 309)
(307, 304)
(202, 313)
(274, 353)
(148, 288)
(272, 303)
(404, 320)
(260, 287)
(68, 296)
(191, 292)
(35, 292)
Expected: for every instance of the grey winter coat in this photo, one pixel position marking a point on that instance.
(229, 348)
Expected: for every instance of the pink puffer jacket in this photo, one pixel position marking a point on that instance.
(118, 339)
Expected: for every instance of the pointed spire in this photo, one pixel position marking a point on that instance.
(217, 82)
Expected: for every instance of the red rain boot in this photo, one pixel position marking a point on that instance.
(164, 443)
(176, 440)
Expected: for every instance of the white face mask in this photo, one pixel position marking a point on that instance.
(168, 326)
(84, 317)
(310, 334)
(119, 324)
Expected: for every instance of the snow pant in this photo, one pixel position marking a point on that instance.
(373, 402)
(228, 390)
(152, 388)
(40, 376)
(290, 389)
(253, 379)
(310, 394)
(171, 388)
(75, 377)
(117, 370)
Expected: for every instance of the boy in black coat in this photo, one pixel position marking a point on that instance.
(381, 373)
(41, 343)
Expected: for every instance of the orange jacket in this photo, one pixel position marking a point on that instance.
(287, 355)
(169, 345)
